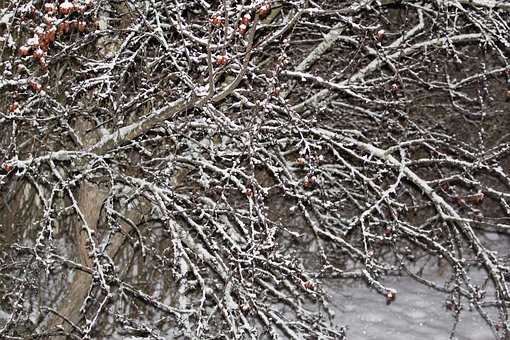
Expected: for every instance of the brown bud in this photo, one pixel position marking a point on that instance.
(42, 63)
(309, 182)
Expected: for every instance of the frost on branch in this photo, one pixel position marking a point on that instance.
(202, 169)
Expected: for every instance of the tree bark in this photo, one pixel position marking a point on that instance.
(90, 200)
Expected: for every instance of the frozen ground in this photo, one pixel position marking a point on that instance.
(417, 314)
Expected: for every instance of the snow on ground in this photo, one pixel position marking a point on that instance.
(417, 314)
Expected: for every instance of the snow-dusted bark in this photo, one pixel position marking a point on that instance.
(198, 169)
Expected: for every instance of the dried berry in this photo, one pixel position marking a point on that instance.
(222, 60)
(66, 8)
(387, 231)
(246, 19)
(50, 8)
(309, 285)
(81, 8)
(379, 36)
(64, 27)
(35, 86)
(49, 20)
(13, 107)
(477, 198)
(264, 10)
(391, 295)
(309, 182)
(300, 161)
(7, 167)
(38, 54)
(24, 51)
(217, 21)
(242, 29)
(82, 25)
